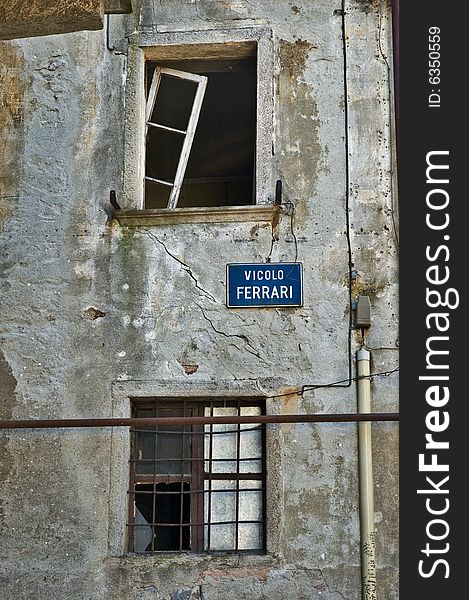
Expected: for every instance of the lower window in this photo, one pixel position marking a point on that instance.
(197, 488)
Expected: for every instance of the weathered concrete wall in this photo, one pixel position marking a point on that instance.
(89, 304)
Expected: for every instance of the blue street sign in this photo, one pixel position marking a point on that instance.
(264, 285)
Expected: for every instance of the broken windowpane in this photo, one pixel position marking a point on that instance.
(166, 111)
(162, 517)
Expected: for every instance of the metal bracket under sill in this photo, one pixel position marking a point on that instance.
(224, 214)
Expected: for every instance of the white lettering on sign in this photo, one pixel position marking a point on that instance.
(263, 275)
(263, 292)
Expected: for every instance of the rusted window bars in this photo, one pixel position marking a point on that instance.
(197, 488)
(197, 470)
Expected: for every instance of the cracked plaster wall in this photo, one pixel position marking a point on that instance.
(87, 303)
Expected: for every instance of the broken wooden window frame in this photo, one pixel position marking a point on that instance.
(189, 133)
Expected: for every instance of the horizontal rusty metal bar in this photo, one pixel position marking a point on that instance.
(159, 421)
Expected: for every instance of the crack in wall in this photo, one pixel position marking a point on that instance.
(328, 587)
(186, 267)
(227, 369)
(244, 321)
(247, 344)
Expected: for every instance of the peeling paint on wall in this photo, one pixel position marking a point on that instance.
(299, 122)
(12, 110)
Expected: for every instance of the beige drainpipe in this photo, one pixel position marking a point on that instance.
(367, 524)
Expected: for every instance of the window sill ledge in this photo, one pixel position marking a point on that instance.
(224, 214)
(188, 559)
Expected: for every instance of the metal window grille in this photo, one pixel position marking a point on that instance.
(198, 488)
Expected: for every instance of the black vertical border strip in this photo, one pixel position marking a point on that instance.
(424, 127)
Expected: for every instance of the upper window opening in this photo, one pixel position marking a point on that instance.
(200, 132)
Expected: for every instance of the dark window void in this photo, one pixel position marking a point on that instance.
(162, 517)
(221, 164)
(198, 488)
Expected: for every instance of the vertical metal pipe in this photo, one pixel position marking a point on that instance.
(367, 525)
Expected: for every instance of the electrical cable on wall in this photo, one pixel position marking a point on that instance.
(347, 195)
(391, 149)
(348, 381)
(345, 382)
